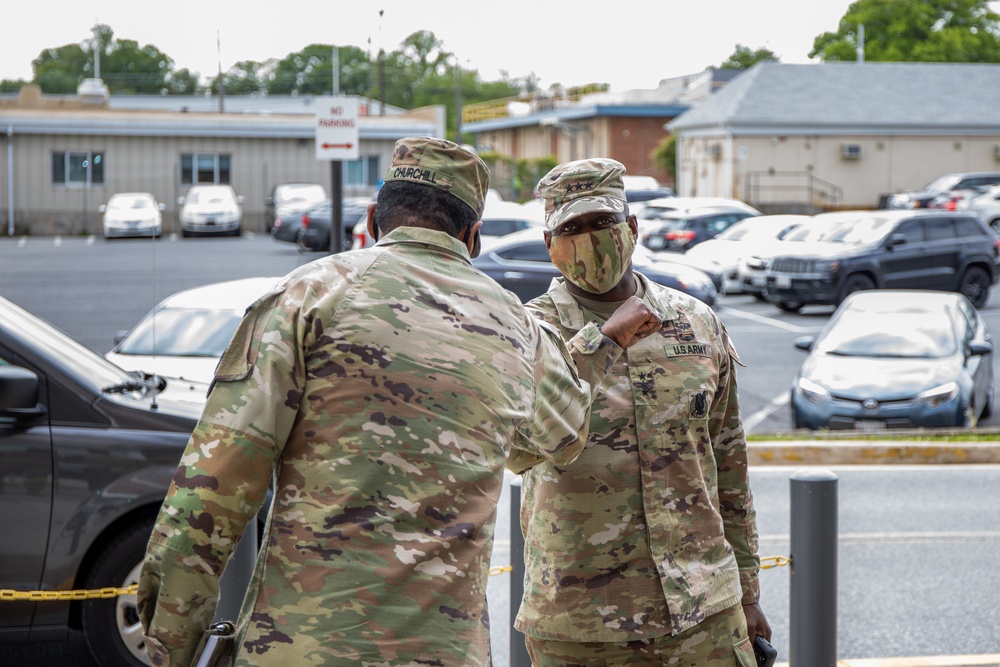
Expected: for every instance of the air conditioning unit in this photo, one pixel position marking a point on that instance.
(850, 151)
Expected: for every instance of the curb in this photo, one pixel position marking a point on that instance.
(985, 660)
(867, 452)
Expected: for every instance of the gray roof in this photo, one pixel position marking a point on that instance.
(884, 98)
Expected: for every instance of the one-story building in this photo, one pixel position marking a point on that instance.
(63, 156)
(838, 135)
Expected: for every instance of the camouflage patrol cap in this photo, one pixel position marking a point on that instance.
(582, 186)
(441, 164)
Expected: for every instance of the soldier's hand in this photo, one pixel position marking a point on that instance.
(633, 321)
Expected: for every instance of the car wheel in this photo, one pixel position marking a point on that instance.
(236, 232)
(759, 296)
(112, 626)
(975, 285)
(789, 306)
(185, 233)
(855, 283)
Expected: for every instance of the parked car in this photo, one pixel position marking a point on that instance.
(132, 214)
(641, 189)
(186, 333)
(896, 359)
(885, 249)
(754, 235)
(211, 209)
(986, 205)
(314, 229)
(520, 263)
(753, 267)
(946, 183)
(499, 219)
(89, 450)
(679, 231)
(286, 204)
(657, 208)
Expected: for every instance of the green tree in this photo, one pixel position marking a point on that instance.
(183, 82)
(243, 78)
(310, 72)
(915, 31)
(126, 67)
(744, 57)
(665, 155)
(12, 85)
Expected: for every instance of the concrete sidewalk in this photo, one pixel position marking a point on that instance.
(837, 451)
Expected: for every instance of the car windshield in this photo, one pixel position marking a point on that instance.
(899, 334)
(657, 212)
(123, 203)
(301, 194)
(861, 232)
(942, 183)
(83, 362)
(213, 196)
(182, 332)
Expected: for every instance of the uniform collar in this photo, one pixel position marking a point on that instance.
(429, 237)
(571, 313)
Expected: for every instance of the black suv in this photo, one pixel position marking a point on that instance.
(889, 249)
(680, 230)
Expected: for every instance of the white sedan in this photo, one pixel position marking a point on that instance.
(132, 214)
(186, 333)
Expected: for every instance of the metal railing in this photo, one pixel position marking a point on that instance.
(791, 187)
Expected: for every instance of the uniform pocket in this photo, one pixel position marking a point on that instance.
(744, 653)
(238, 360)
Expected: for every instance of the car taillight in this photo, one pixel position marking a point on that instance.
(305, 221)
(360, 239)
(680, 237)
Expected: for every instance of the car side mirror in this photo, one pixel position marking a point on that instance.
(102, 208)
(120, 335)
(240, 199)
(896, 239)
(161, 206)
(268, 201)
(977, 349)
(805, 342)
(19, 395)
(180, 201)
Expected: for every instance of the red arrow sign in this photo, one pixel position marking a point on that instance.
(343, 146)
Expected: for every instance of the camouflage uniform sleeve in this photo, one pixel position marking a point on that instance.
(562, 407)
(735, 498)
(222, 479)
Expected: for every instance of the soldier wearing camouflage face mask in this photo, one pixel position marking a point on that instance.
(381, 391)
(643, 551)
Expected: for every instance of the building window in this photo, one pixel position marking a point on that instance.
(211, 168)
(78, 168)
(363, 171)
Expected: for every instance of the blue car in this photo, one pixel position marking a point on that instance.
(891, 359)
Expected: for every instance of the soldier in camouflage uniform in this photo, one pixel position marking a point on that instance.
(381, 392)
(643, 551)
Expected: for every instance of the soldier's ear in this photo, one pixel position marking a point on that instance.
(372, 227)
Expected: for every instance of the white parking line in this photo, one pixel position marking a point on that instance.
(23, 241)
(770, 321)
(57, 241)
(779, 401)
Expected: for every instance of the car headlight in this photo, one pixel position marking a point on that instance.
(938, 395)
(826, 266)
(812, 392)
(757, 263)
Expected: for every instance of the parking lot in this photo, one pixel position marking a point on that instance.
(91, 288)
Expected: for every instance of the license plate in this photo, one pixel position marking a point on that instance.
(783, 281)
(869, 425)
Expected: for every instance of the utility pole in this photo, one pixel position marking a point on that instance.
(861, 42)
(381, 66)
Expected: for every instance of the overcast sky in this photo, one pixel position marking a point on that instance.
(626, 43)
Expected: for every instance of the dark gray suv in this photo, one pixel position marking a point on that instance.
(88, 452)
(889, 249)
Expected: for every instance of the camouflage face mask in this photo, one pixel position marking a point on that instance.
(594, 261)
